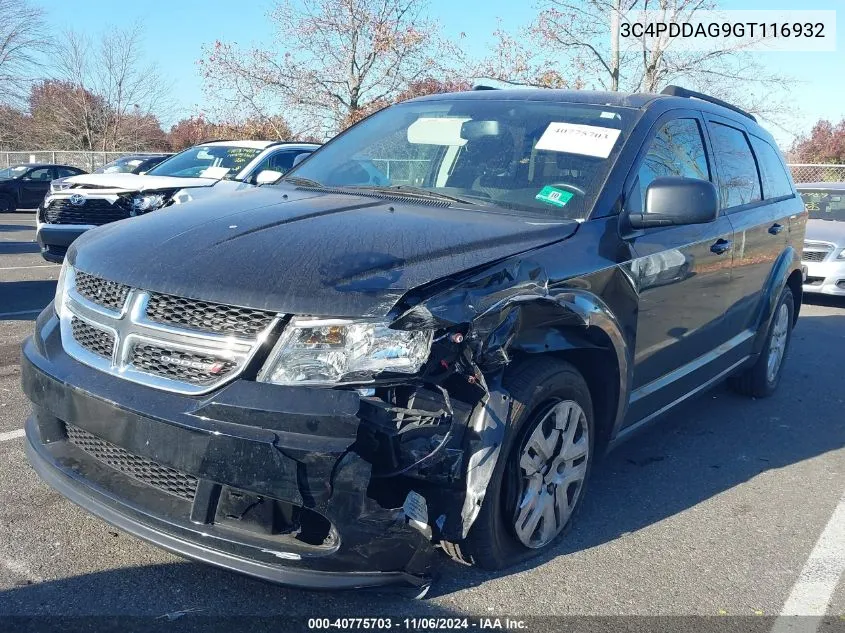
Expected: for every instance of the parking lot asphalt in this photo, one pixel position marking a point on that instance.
(718, 510)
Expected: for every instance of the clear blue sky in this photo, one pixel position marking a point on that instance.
(177, 29)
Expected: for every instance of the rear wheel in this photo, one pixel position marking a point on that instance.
(538, 484)
(762, 378)
(7, 204)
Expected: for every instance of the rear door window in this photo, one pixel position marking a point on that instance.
(739, 182)
(676, 150)
(776, 181)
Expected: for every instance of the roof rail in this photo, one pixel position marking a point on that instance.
(489, 83)
(677, 91)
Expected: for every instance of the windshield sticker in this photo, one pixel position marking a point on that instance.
(572, 138)
(557, 197)
(215, 172)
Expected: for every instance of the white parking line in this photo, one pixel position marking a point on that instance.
(814, 588)
(20, 313)
(28, 267)
(12, 435)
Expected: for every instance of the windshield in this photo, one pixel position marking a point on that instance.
(207, 161)
(524, 157)
(825, 205)
(14, 171)
(126, 165)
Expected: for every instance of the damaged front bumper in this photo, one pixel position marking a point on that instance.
(280, 483)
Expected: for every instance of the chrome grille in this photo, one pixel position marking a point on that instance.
(184, 354)
(206, 316)
(147, 471)
(108, 294)
(91, 338)
(94, 211)
(197, 369)
(815, 256)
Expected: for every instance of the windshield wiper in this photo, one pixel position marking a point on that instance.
(416, 192)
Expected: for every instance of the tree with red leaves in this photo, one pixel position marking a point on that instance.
(196, 129)
(825, 144)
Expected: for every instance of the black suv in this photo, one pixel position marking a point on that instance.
(425, 334)
(24, 186)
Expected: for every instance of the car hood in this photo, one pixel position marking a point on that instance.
(136, 182)
(324, 254)
(826, 231)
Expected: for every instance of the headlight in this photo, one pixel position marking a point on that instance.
(59, 186)
(143, 203)
(182, 196)
(59, 302)
(334, 351)
(841, 254)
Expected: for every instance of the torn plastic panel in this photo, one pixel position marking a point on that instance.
(511, 308)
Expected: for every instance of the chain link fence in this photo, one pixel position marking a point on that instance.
(400, 170)
(89, 161)
(805, 172)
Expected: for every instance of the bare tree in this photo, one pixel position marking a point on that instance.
(117, 95)
(585, 36)
(333, 59)
(22, 40)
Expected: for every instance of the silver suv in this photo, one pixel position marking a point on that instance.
(824, 245)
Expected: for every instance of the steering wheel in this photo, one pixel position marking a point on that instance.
(572, 188)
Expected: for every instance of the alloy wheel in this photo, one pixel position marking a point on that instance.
(777, 343)
(553, 467)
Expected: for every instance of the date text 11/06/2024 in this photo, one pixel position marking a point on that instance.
(418, 624)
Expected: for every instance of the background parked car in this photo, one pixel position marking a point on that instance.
(131, 164)
(824, 245)
(206, 169)
(24, 186)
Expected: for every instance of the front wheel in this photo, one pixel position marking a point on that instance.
(762, 378)
(538, 484)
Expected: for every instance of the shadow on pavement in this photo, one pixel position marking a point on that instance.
(818, 299)
(704, 447)
(18, 248)
(16, 227)
(17, 297)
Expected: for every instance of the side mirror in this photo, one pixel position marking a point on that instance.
(299, 158)
(676, 201)
(267, 177)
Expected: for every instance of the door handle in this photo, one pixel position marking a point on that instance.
(720, 247)
(775, 228)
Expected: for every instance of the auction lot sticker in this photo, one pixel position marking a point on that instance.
(574, 138)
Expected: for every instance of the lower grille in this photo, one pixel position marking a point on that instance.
(814, 281)
(190, 367)
(814, 256)
(153, 474)
(95, 211)
(91, 338)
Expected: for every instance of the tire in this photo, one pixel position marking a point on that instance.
(762, 379)
(543, 390)
(7, 204)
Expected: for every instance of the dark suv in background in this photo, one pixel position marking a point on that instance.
(24, 186)
(423, 335)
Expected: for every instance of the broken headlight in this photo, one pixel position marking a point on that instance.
(334, 351)
(142, 203)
